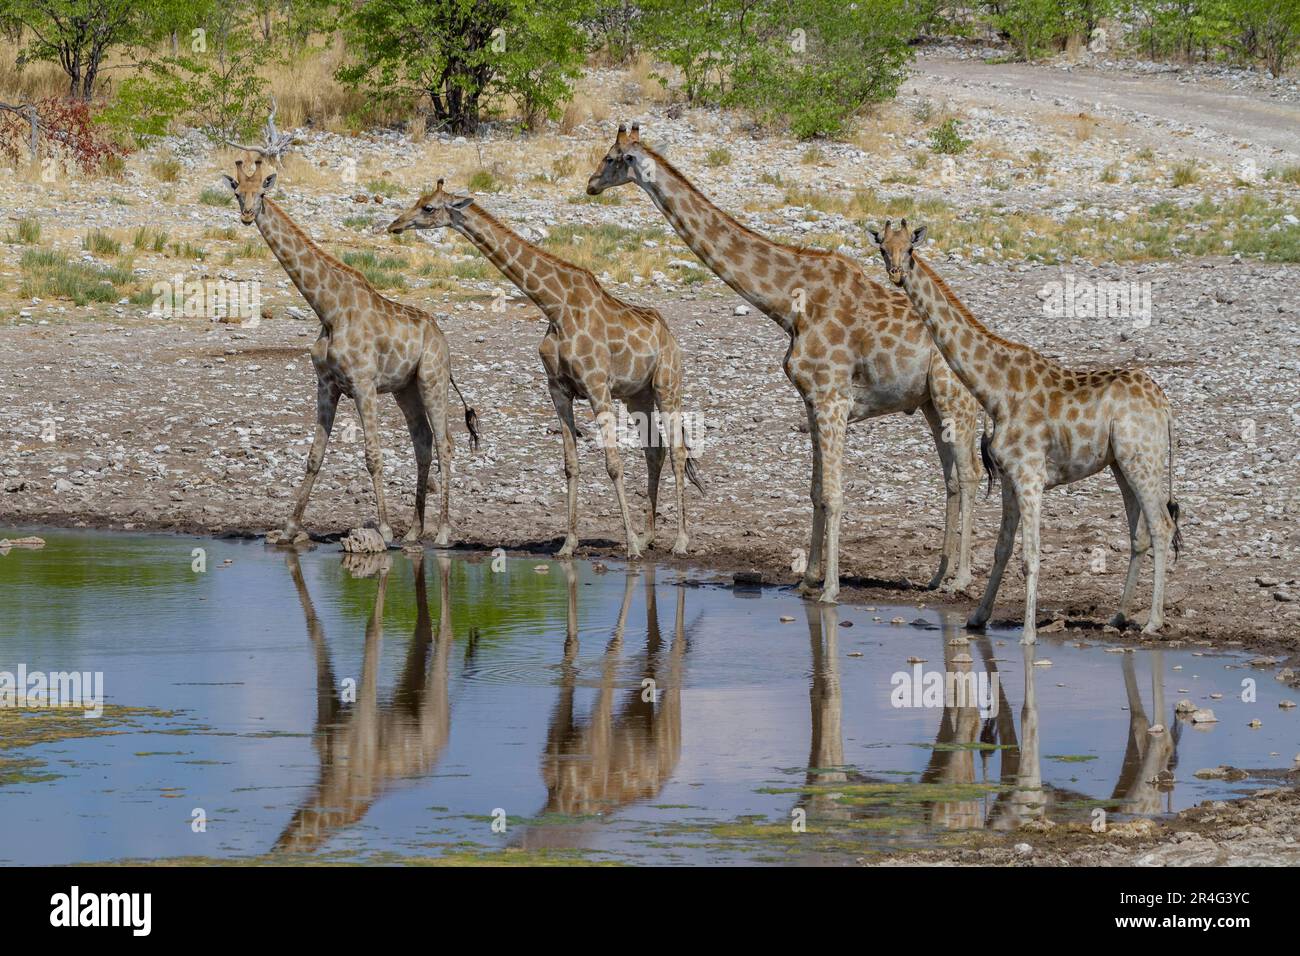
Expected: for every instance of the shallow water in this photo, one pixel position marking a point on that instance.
(322, 707)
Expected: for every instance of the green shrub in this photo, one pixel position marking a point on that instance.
(945, 138)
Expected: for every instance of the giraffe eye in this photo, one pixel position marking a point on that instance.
(428, 208)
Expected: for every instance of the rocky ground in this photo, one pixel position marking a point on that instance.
(1263, 830)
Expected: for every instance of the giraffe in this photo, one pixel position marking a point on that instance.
(857, 351)
(368, 345)
(1051, 426)
(596, 347)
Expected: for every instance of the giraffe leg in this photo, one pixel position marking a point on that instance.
(327, 404)
(644, 405)
(832, 422)
(968, 479)
(603, 405)
(668, 399)
(1001, 554)
(1154, 497)
(368, 411)
(1139, 544)
(1029, 492)
(812, 575)
(434, 378)
(569, 429)
(952, 487)
(417, 422)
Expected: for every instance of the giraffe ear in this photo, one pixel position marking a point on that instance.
(268, 183)
(230, 180)
(875, 236)
(918, 236)
(461, 202)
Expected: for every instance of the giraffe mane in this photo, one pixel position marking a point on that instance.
(566, 264)
(801, 250)
(330, 260)
(966, 313)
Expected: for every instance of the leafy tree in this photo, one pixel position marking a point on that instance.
(79, 34)
(814, 64)
(213, 80)
(461, 53)
(1267, 29)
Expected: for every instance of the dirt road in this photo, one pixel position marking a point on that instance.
(1238, 118)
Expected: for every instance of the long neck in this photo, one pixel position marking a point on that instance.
(764, 272)
(538, 275)
(980, 359)
(301, 258)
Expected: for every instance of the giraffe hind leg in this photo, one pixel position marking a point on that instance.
(417, 423)
(1139, 544)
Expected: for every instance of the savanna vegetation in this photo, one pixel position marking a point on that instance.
(95, 78)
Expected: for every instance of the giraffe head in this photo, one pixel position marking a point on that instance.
(896, 247)
(625, 162)
(436, 210)
(250, 187)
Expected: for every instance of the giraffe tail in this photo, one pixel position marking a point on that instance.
(471, 416)
(692, 473)
(1174, 510)
(990, 466)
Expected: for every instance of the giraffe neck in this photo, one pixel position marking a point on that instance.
(306, 264)
(979, 358)
(539, 275)
(764, 272)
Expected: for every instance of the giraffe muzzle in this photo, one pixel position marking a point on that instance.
(593, 186)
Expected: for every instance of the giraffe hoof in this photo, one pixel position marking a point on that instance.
(679, 546)
(386, 533)
(443, 539)
(1153, 627)
(1119, 621)
(830, 596)
(566, 550)
(809, 588)
(412, 535)
(976, 622)
(1029, 637)
(958, 585)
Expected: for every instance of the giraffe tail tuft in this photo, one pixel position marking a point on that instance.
(1172, 505)
(471, 416)
(990, 466)
(1178, 532)
(693, 474)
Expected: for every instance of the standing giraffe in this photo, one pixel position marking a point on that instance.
(368, 345)
(596, 347)
(857, 351)
(1051, 426)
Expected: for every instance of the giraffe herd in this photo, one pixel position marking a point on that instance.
(857, 350)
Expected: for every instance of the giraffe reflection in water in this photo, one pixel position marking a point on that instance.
(367, 745)
(622, 751)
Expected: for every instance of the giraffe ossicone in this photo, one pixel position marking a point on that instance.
(1050, 426)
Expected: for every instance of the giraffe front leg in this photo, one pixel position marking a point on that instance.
(940, 428)
(1001, 554)
(368, 411)
(568, 429)
(327, 403)
(812, 576)
(1030, 496)
(603, 405)
(832, 422)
